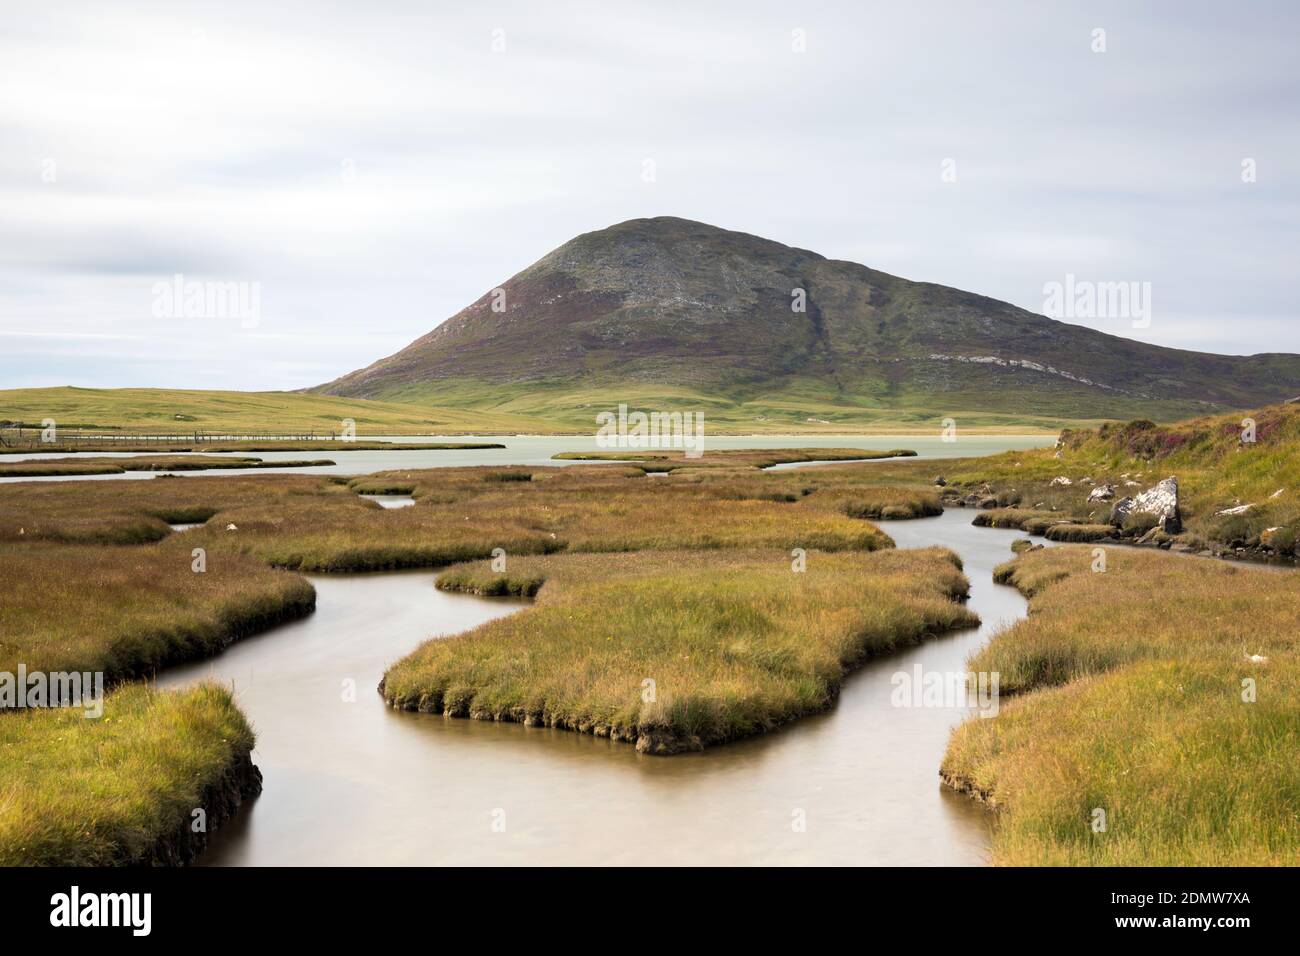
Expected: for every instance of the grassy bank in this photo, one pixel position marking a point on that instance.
(734, 643)
(128, 611)
(118, 466)
(121, 789)
(1129, 699)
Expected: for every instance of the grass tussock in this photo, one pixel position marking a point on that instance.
(1130, 699)
(109, 791)
(734, 643)
(1080, 532)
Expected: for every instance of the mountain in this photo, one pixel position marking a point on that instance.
(676, 311)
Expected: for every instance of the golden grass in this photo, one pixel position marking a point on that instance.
(1131, 701)
(315, 523)
(735, 643)
(107, 791)
(126, 611)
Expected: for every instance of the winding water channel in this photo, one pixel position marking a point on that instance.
(349, 781)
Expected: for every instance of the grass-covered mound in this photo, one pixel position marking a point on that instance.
(121, 789)
(733, 643)
(1130, 700)
(137, 511)
(665, 461)
(127, 611)
(1219, 469)
(70, 467)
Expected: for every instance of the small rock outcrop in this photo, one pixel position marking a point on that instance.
(1160, 501)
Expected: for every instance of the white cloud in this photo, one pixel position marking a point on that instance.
(214, 140)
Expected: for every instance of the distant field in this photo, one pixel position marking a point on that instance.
(498, 411)
(181, 410)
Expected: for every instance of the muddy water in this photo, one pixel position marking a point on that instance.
(353, 782)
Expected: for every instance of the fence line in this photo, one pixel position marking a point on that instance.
(32, 437)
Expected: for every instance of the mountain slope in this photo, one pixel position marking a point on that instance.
(679, 308)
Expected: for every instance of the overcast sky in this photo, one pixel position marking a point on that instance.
(374, 167)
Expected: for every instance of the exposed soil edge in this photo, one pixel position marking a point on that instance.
(220, 800)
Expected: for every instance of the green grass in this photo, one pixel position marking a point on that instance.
(158, 408)
(493, 408)
(736, 643)
(1080, 532)
(1128, 698)
(110, 791)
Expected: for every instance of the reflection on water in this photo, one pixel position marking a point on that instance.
(391, 501)
(358, 783)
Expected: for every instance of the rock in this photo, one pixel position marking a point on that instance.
(1278, 493)
(1266, 537)
(1061, 480)
(987, 502)
(1160, 500)
(941, 481)
(1239, 510)
(1120, 510)
(1102, 493)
